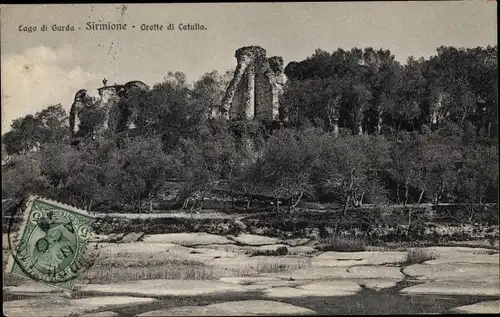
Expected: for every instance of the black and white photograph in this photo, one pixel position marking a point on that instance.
(244, 159)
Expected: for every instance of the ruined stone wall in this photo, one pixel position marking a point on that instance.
(76, 108)
(254, 91)
(264, 94)
(277, 66)
(236, 108)
(130, 112)
(118, 115)
(108, 93)
(249, 92)
(109, 100)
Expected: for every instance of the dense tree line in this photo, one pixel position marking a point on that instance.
(368, 90)
(355, 127)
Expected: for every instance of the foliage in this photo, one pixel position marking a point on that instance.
(58, 163)
(478, 173)
(22, 176)
(406, 161)
(342, 244)
(32, 131)
(357, 127)
(209, 90)
(138, 169)
(280, 251)
(285, 167)
(418, 256)
(347, 168)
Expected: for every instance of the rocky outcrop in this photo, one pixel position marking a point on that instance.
(254, 91)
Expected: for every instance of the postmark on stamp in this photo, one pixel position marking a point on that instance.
(52, 243)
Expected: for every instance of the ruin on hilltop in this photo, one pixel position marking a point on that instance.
(254, 91)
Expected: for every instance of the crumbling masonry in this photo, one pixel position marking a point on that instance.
(254, 91)
(253, 94)
(118, 115)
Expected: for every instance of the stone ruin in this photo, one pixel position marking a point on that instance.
(121, 115)
(254, 91)
(79, 103)
(118, 115)
(253, 94)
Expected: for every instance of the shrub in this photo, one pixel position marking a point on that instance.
(416, 256)
(278, 252)
(282, 250)
(236, 228)
(342, 244)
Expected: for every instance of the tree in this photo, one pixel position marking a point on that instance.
(408, 102)
(383, 77)
(90, 186)
(84, 187)
(24, 136)
(335, 89)
(427, 127)
(359, 97)
(53, 124)
(313, 100)
(284, 170)
(143, 164)
(464, 83)
(208, 91)
(378, 156)
(33, 131)
(438, 173)
(348, 168)
(121, 187)
(170, 112)
(5, 156)
(193, 169)
(22, 176)
(478, 173)
(58, 163)
(406, 161)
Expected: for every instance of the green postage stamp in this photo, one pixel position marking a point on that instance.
(51, 244)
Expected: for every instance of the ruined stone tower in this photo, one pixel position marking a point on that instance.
(119, 115)
(254, 91)
(77, 106)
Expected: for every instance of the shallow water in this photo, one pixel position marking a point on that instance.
(366, 302)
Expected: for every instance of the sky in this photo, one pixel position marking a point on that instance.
(39, 69)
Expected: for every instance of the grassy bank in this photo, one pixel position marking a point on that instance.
(374, 225)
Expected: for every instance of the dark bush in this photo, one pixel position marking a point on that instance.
(278, 252)
(342, 244)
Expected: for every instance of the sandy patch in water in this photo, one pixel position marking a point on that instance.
(457, 287)
(489, 307)
(454, 271)
(58, 306)
(187, 239)
(167, 288)
(255, 240)
(234, 308)
(332, 258)
(326, 288)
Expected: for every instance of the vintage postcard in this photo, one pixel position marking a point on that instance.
(250, 158)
